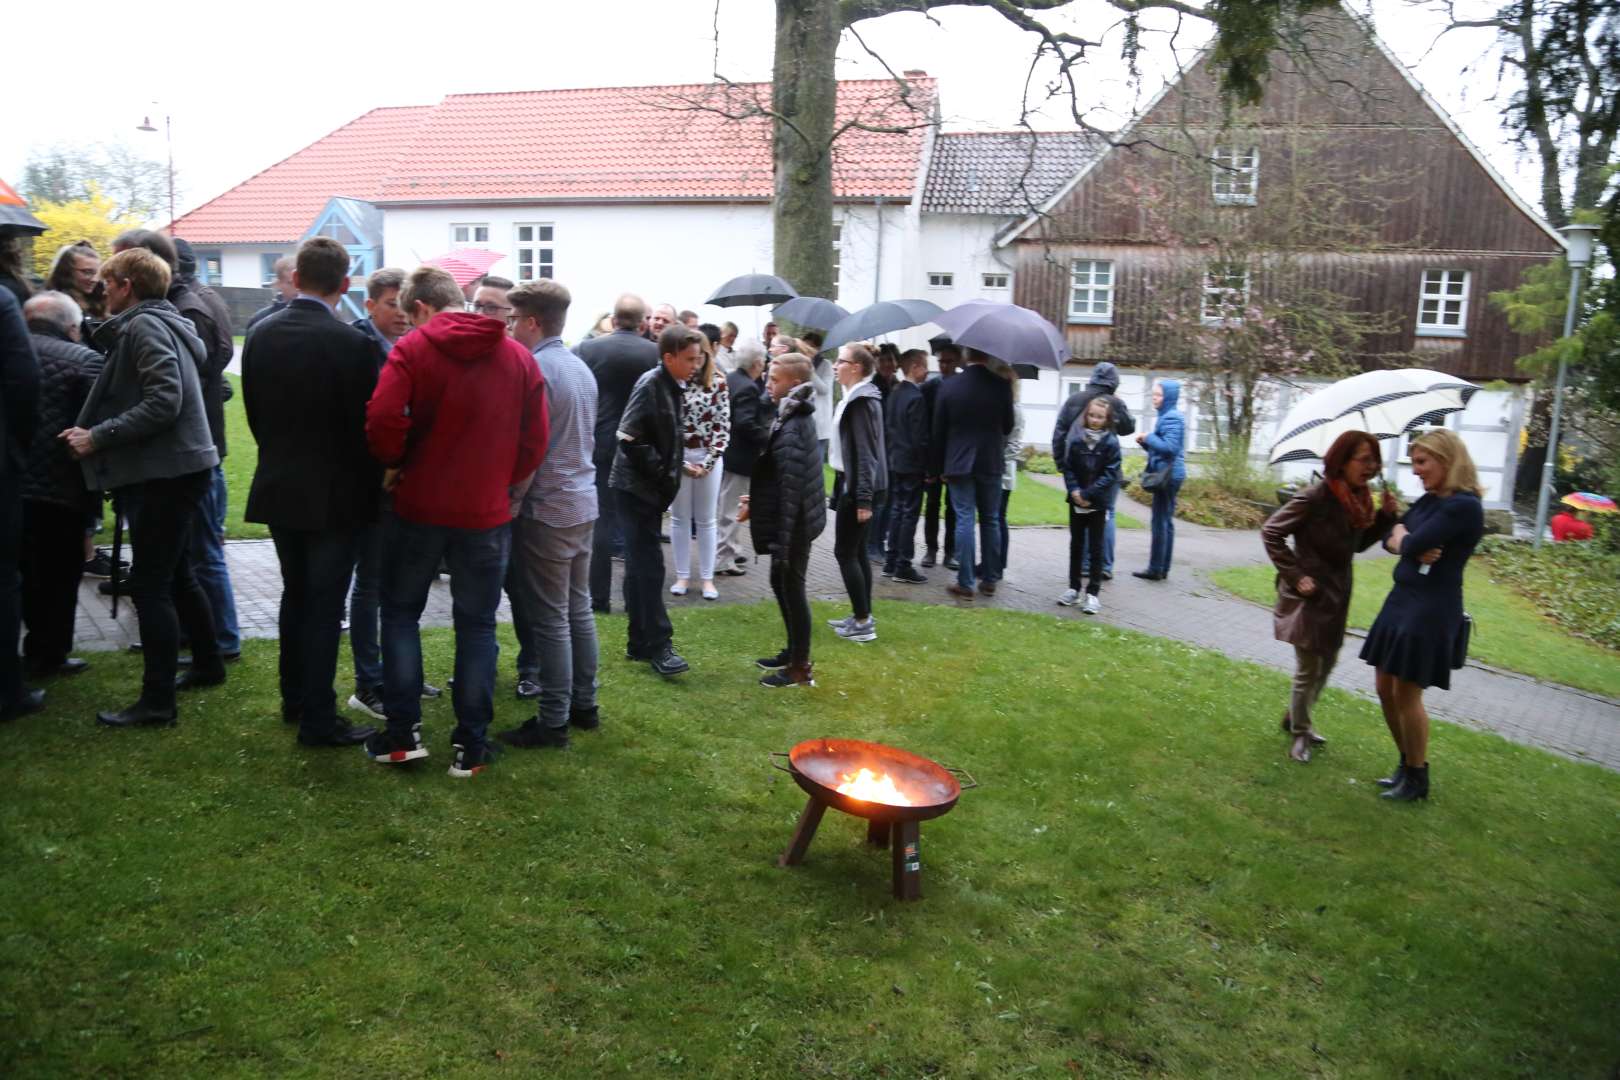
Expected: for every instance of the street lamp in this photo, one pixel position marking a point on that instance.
(168, 139)
(1578, 240)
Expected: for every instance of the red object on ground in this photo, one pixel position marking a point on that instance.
(1567, 526)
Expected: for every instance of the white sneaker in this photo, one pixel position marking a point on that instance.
(839, 624)
(1092, 605)
(859, 631)
(1070, 597)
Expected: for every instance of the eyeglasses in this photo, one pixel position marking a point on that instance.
(494, 311)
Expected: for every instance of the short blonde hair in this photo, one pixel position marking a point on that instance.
(432, 286)
(1448, 447)
(145, 273)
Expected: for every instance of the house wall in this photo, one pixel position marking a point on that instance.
(240, 262)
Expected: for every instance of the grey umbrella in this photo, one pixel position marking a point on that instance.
(883, 317)
(1015, 335)
(752, 289)
(811, 311)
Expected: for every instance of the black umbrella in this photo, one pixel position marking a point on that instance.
(883, 317)
(1009, 333)
(15, 220)
(811, 311)
(752, 289)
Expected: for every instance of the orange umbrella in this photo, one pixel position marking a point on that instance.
(14, 215)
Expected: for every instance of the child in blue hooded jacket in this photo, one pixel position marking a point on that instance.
(1166, 449)
(1091, 471)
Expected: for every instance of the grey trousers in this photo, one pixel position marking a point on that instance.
(1311, 671)
(555, 569)
(728, 536)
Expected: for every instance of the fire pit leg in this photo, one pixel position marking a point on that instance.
(877, 833)
(907, 862)
(803, 833)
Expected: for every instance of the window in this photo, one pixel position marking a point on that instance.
(1226, 293)
(994, 281)
(1443, 304)
(267, 268)
(469, 235)
(838, 255)
(1091, 291)
(536, 258)
(209, 265)
(1207, 421)
(1236, 175)
(937, 280)
(340, 232)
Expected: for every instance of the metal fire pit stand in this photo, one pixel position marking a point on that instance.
(900, 837)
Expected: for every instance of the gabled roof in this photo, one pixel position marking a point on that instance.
(697, 142)
(1003, 172)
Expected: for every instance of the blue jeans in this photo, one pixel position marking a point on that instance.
(205, 548)
(363, 607)
(981, 494)
(1164, 527)
(1108, 549)
(477, 559)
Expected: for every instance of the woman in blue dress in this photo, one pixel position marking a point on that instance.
(1413, 640)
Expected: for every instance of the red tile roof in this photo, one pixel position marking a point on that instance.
(632, 143)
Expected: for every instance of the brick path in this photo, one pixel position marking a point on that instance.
(1186, 607)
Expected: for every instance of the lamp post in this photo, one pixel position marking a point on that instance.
(168, 139)
(1579, 255)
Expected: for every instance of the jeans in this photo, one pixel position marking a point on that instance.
(477, 559)
(608, 539)
(696, 501)
(788, 573)
(1108, 548)
(1086, 539)
(161, 584)
(52, 564)
(316, 568)
(1311, 671)
(207, 553)
(934, 492)
(905, 504)
(555, 565)
(364, 604)
(1164, 527)
(650, 630)
(849, 548)
(981, 495)
(522, 600)
(728, 531)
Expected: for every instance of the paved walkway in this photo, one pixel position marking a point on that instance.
(1186, 607)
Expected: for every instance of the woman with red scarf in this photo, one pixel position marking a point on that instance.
(1329, 522)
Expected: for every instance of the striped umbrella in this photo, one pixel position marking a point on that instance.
(1586, 500)
(466, 264)
(1386, 404)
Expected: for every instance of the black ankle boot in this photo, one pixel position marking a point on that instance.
(1414, 785)
(1394, 778)
(140, 714)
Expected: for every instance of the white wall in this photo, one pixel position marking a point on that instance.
(239, 263)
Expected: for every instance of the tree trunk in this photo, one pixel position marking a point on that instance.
(804, 95)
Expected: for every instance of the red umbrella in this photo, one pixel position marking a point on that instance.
(466, 264)
(15, 220)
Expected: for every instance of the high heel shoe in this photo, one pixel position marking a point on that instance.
(1394, 778)
(1414, 785)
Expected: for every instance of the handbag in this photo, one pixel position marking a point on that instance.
(1459, 647)
(1153, 481)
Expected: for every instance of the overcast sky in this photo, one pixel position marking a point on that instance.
(248, 86)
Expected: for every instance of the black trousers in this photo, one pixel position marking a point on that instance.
(1086, 532)
(650, 629)
(936, 495)
(849, 548)
(166, 594)
(606, 540)
(905, 505)
(788, 573)
(316, 568)
(11, 684)
(52, 564)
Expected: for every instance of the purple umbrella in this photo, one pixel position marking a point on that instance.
(1012, 334)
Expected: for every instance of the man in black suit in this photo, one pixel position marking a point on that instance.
(617, 360)
(906, 436)
(950, 359)
(306, 378)
(973, 415)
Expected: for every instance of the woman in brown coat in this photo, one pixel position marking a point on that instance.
(1330, 522)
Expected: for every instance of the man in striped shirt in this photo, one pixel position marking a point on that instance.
(551, 552)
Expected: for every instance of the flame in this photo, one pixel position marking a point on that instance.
(872, 788)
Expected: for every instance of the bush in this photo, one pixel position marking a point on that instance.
(1575, 584)
(1038, 461)
(1227, 493)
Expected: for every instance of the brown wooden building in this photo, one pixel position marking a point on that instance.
(1347, 180)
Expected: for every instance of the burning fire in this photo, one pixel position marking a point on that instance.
(872, 788)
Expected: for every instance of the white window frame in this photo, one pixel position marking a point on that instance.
(1443, 312)
(472, 240)
(998, 281)
(942, 279)
(543, 250)
(1216, 306)
(1207, 421)
(838, 256)
(1095, 291)
(1235, 175)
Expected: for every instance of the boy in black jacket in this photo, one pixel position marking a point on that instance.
(786, 506)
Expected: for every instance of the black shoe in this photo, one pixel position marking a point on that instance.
(1414, 785)
(468, 762)
(585, 719)
(601, 609)
(1394, 778)
(773, 663)
(669, 663)
(951, 563)
(430, 691)
(66, 668)
(370, 702)
(789, 676)
(198, 679)
(336, 733)
(29, 701)
(741, 559)
(888, 570)
(106, 589)
(101, 565)
(527, 689)
(1148, 575)
(732, 571)
(1108, 575)
(386, 748)
(532, 735)
(139, 715)
(908, 576)
(928, 560)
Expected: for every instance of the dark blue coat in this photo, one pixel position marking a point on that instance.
(1093, 471)
(906, 429)
(973, 415)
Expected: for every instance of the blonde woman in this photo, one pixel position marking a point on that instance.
(1413, 640)
(706, 424)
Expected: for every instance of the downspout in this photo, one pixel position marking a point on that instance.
(877, 268)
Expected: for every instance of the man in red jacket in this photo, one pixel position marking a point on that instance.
(459, 420)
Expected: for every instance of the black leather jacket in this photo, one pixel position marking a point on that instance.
(647, 459)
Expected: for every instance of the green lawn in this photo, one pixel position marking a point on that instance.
(241, 458)
(1142, 886)
(1508, 630)
(1034, 503)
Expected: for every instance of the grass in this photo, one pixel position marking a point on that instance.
(1509, 631)
(1576, 584)
(1034, 503)
(1143, 886)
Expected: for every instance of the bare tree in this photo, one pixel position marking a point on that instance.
(137, 185)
